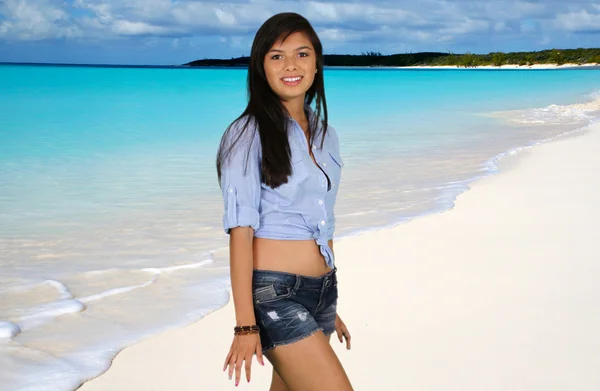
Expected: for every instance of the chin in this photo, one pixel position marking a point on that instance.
(288, 95)
(288, 98)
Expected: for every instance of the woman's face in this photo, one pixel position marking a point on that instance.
(290, 67)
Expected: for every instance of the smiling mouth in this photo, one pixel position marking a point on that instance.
(291, 81)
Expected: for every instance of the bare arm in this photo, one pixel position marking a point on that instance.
(241, 266)
(241, 186)
(340, 326)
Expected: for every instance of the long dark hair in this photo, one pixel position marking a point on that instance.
(265, 107)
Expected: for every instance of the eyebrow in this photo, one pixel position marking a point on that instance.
(281, 51)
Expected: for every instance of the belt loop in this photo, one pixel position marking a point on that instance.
(297, 284)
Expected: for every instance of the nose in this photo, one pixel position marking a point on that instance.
(289, 63)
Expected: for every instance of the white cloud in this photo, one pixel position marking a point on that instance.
(344, 12)
(35, 19)
(125, 27)
(225, 17)
(578, 21)
(333, 35)
(167, 18)
(401, 23)
(327, 11)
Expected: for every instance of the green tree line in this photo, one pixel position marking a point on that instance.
(375, 59)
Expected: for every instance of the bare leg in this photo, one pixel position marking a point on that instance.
(308, 365)
(277, 383)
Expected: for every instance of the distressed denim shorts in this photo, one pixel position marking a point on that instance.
(289, 307)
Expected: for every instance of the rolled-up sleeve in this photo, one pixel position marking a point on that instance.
(240, 178)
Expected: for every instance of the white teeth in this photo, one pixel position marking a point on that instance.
(291, 79)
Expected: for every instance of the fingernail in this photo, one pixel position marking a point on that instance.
(236, 383)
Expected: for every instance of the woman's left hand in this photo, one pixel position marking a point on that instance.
(342, 331)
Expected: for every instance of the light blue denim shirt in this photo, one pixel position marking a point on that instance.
(300, 209)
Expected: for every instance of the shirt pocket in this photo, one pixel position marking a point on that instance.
(287, 193)
(298, 162)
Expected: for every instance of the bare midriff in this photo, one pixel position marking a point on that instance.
(301, 257)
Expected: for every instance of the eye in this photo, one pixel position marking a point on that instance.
(275, 57)
(303, 54)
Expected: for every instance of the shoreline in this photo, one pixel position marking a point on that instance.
(510, 66)
(567, 66)
(172, 359)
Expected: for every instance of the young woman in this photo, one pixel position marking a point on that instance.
(279, 168)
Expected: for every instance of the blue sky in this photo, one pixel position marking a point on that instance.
(177, 31)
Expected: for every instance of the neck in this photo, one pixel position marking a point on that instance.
(296, 109)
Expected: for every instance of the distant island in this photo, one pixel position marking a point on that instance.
(376, 59)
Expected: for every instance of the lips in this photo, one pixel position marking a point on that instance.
(291, 80)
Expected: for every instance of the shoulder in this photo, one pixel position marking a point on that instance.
(245, 124)
(332, 133)
(331, 138)
(242, 131)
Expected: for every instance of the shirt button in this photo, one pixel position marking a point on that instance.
(323, 222)
(314, 146)
(324, 164)
(230, 190)
(320, 202)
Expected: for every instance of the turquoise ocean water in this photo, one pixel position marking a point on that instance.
(110, 210)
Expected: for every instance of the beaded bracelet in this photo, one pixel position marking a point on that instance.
(244, 330)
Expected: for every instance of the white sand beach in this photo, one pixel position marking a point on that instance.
(500, 293)
(507, 66)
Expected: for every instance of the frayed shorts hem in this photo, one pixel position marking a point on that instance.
(292, 340)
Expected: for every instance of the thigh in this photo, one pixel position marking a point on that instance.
(277, 383)
(309, 364)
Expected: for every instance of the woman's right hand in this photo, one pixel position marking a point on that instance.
(242, 349)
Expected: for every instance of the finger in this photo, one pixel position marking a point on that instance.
(348, 338)
(340, 334)
(238, 369)
(247, 367)
(259, 355)
(232, 361)
(227, 360)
